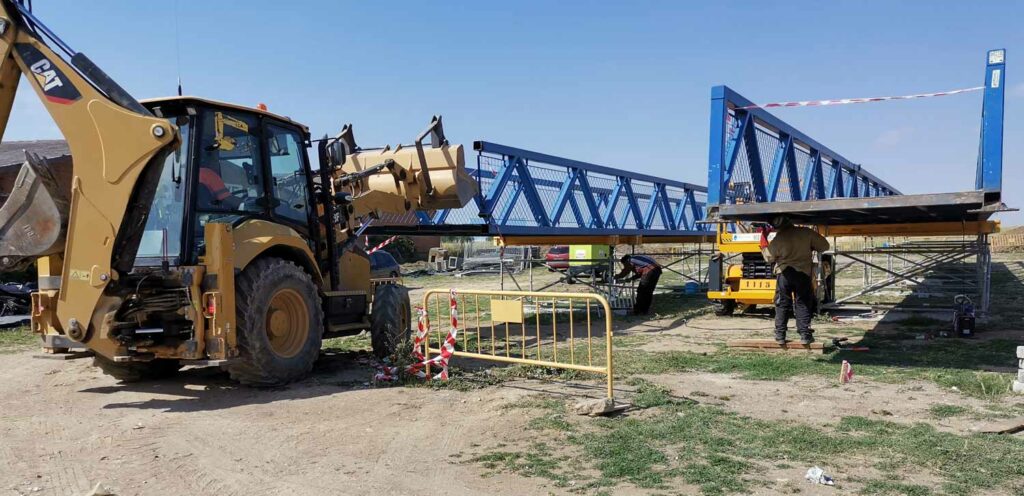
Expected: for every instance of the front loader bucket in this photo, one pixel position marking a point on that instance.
(34, 214)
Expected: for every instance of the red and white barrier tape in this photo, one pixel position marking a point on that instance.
(382, 245)
(418, 368)
(845, 101)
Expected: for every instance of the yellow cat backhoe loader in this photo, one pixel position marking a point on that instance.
(189, 231)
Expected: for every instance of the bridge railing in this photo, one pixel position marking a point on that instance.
(757, 157)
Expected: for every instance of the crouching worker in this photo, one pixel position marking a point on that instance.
(648, 271)
(792, 253)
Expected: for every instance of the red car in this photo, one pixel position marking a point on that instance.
(557, 258)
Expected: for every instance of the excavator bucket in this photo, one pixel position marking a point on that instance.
(34, 213)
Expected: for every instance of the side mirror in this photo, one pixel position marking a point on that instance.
(278, 146)
(336, 154)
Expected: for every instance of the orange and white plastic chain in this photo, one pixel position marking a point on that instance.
(382, 245)
(846, 101)
(418, 368)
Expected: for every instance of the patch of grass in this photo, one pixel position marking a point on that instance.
(721, 452)
(947, 411)
(948, 363)
(537, 402)
(358, 342)
(677, 305)
(1008, 283)
(551, 421)
(718, 474)
(553, 417)
(883, 487)
(17, 339)
(916, 320)
(538, 461)
(648, 394)
(966, 463)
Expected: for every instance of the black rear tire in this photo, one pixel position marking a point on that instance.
(137, 371)
(724, 308)
(290, 354)
(390, 319)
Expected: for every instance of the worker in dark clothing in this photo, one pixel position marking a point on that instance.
(792, 253)
(648, 271)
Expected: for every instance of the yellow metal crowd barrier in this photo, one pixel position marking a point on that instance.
(559, 330)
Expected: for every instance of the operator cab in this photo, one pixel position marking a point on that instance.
(234, 164)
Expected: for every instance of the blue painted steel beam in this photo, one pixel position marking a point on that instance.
(812, 176)
(749, 138)
(836, 190)
(793, 174)
(530, 192)
(633, 204)
(717, 180)
(564, 194)
(779, 164)
(588, 199)
(613, 200)
(990, 160)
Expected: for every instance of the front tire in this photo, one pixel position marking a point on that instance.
(390, 319)
(724, 308)
(280, 324)
(137, 371)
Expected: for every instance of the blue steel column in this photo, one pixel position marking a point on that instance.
(990, 160)
(716, 147)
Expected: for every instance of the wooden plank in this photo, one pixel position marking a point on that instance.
(771, 345)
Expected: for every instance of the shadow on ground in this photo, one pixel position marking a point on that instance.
(208, 388)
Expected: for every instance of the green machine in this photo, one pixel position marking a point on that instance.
(589, 259)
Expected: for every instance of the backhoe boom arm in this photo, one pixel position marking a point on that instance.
(113, 145)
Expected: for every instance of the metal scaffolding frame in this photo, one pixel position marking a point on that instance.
(926, 274)
(688, 262)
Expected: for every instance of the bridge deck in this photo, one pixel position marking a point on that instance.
(901, 209)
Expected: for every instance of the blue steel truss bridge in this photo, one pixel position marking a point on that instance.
(527, 196)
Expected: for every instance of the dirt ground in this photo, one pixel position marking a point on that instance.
(64, 427)
(199, 434)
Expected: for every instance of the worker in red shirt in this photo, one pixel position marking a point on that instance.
(214, 191)
(648, 271)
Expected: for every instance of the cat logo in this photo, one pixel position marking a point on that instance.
(55, 85)
(46, 76)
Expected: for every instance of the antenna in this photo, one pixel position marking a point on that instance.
(177, 47)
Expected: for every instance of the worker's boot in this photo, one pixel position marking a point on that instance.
(807, 337)
(780, 336)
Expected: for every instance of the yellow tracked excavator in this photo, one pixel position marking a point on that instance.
(189, 231)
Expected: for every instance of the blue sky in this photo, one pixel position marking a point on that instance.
(622, 84)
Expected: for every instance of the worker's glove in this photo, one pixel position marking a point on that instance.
(764, 238)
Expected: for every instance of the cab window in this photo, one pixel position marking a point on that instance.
(162, 236)
(229, 164)
(289, 182)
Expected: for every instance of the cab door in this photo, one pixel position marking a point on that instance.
(289, 177)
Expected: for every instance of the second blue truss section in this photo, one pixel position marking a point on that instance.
(526, 193)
